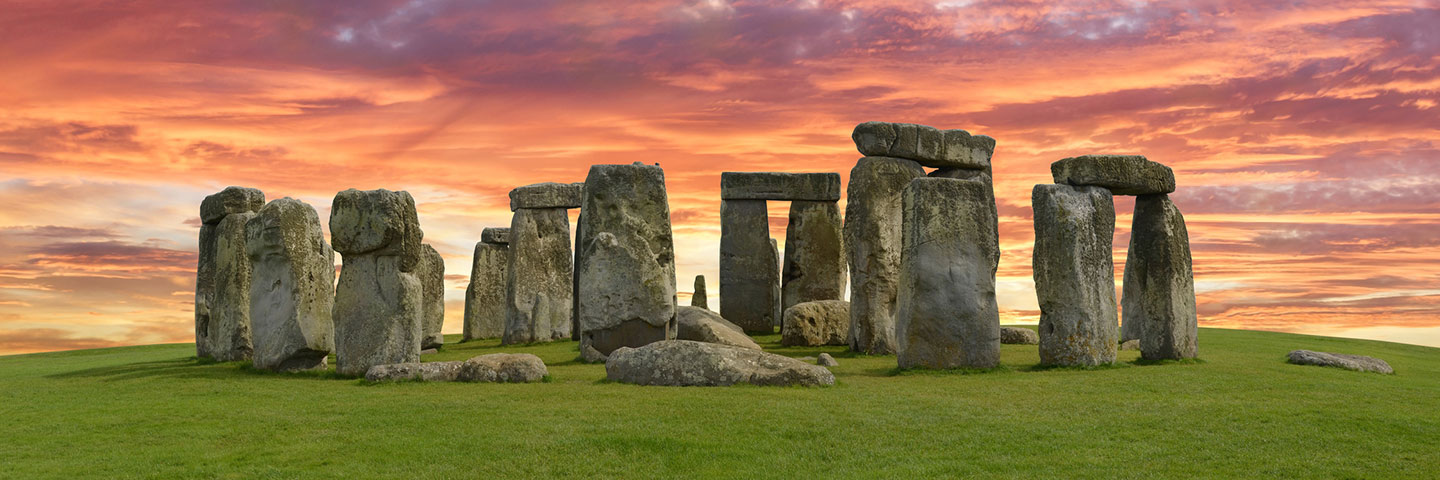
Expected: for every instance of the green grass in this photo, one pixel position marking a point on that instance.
(155, 411)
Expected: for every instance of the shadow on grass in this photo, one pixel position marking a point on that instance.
(189, 367)
(1141, 362)
(945, 372)
(1075, 368)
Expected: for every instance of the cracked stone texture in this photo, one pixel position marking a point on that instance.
(814, 267)
(690, 363)
(213, 209)
(495, 235)
(1074, 274)
(538, 287)
(927, 145)
(292, 289)
(378, 222)
(946, 315)
(1018, 336)
(1121, 174)
(1359, 363)
(485, 295)
(378, 301)
(431, 272)
(228, 331)
(873, 210)
(547, 195)
(749, 269)
(230, 200)
(821, 322)
(820, 187)
(1159, 286)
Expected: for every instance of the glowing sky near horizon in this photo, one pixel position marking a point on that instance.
(1305, 138)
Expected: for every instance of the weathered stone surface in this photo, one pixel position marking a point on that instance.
(230, 200)
(503, 368)
(582, 238)
(819, 187)
(981, 176)
(429, 351)
(428, 371)
(204, 290)
(229, 332)
(431, 272)
(1130, 345)
(821, 322)
(814, 266)
(775, 292)
(700, 298)
(825, 360)
(702, 325)
(538, 287)
(378, 302)
(589, 354)
(689, 363)
(1121, 174)
(946, 315)
(547, 195)
(930, 146)
(1359, 363)
(873, 210)
(485, 295)
(1018, 336)
(1159, 287)
(495, 235)
(749, 269)
(379, 222)
(1074, 274)
(628, 296)
(292, 289)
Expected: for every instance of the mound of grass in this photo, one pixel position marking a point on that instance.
(156, 411)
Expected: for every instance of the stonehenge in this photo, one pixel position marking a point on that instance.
(379, 300)
(1158, 298)
(538, 285)
(292, 289)
(223, 274)
(1074, 275)
(485, 295)
(627, 265)
(815, 265)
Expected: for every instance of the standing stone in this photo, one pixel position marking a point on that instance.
(485, 296)
(628, 298)
(431, 273)
(1159, 284)
(1074, 274)
(378, 302)
(775, 292)
(213, 209)
(229, 329)
(749, 269)
(700, 298)
(814, 254)
(872, 238)
(578, 259)
(982, 176)
(538, 286)
(293, 287)
(946, 316)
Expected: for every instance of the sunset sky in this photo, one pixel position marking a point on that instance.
(1305, 139)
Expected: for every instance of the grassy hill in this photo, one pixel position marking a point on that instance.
(155, 411)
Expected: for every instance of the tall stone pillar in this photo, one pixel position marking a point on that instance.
(749, 271)
(378, 300)
(1159, 288)
(1074, 274)
(485, 295)
(539, 287)
(873, 212)
(292, 292)
(223, 275)
(814, 254)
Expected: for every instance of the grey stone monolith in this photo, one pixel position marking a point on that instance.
(379, 300)
(700, 298)
(485, 295)
(749, 269)
(1159, 285)
(775, 292)
(873, 210)
(946, 315)
(431, 272)
(292, 290)
(229, 333)
(1074, 274)
(538, 286)
(213, 209)
(814, 267)
(627, 298)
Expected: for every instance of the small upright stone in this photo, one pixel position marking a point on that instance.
(700, 298)
(814, 255)
(378, 302)
(927, 145)
(213, 209)
(946, 315)
(873, 241)
(485, 295)
(431, 273)
(1074, 274)
(1121, 174)
(1159, 286)
(292, 290)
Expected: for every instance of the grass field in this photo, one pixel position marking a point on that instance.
(155, 411)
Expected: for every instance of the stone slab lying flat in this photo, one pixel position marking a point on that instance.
(1121, 174)
(495, 235)
(702, 325)
(927, 145)
(689, 363)
(547, 195)
(492, 368)
(1359, 363)
(780, 186)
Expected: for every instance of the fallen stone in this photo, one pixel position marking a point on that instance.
(539, 289)
(1018, 336)
(1121, 174)
(495, 235)
(1130, 344)
(689, 363)
(628, 296)
(818, 187)
(927, 145)
(821, 322)
(229, 329)
(946, 315)
(378, 301)
(873, 210)
(1359, 363)
(825, 360)
(547, 195)
(700, 298)
(1159, 286)
(809, 359)
(503, 368)
(485, 295)
(292, 288)
(428, 371)
(589, 354)
(749, 269)
(814, 267)
(429, 351)
(1074, 274)
(431, 273)
(702, 325)
(228, 201)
